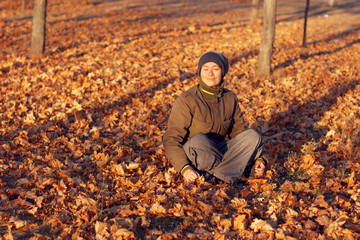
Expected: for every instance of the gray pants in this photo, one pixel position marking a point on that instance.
(227, 160)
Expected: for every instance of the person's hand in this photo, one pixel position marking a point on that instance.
(191, 175)
(259, 169)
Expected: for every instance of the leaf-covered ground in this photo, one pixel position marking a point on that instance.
(80, 129)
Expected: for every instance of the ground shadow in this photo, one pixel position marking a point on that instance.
(318, 9)
(285, 127)
(173, 10)
(306, 56)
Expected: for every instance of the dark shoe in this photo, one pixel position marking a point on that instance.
(211, 179)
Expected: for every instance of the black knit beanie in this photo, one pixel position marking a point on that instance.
(217, 58)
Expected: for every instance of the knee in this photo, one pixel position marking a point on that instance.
(198, 139)
(254, 135)
(251, 136)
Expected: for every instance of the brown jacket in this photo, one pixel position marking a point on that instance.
(193, 112)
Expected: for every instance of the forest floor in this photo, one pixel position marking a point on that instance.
(81, 153)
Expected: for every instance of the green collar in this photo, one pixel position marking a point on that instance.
(210, 92)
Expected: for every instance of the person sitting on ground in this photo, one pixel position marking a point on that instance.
(207, 133)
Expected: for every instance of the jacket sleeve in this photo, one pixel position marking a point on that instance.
(175, 136)
(239, 123)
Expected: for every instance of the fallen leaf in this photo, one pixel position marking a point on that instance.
(259, 225)
(323, 220)
(240, 222)
(157, 208)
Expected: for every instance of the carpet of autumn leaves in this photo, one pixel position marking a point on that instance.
(80, 138)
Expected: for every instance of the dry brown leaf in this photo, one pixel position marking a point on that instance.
(118, 169)
(225, 223)
(308, 161)
(123, 233)
(101, 230)
(334, 229)
(132, 166)
(259, 225)
(17, 222)
(207, 208)
(291, 212)
(323, 220)
(351, 179)
(320, 201)
(8, 236)
(157, 208)
(240, 222)
(309, 224)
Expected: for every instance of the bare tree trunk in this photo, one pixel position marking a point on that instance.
(305, 22)
(38, 29)
(267, 39)
(254, 11)
(23, 5)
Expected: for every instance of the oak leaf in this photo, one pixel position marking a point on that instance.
(259, 225)
(309, 224)
(320, 201)
(291, 212)
(207, 208)
(157, 208)
(225, 223)
(123, 233)
(240, 222)
(101, 230)
(308, 161)
(323, 220)
(334, 229)
(351, 179)
(17, 222)
(118, 169)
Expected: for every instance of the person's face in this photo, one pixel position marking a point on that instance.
(211, 74)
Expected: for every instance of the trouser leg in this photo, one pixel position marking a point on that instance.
(228, 160)
(202, 152)
(241, 153)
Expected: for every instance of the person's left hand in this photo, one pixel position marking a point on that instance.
(191, 175)
(259, 169)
